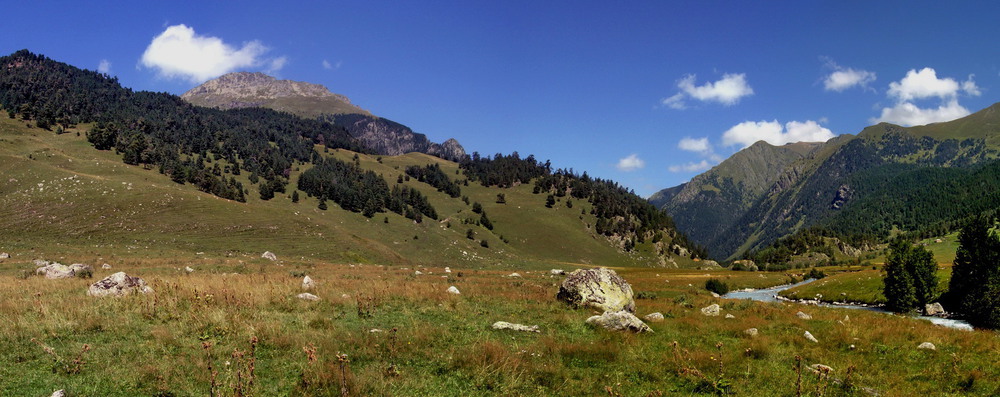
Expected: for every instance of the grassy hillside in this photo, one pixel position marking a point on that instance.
(62, 197)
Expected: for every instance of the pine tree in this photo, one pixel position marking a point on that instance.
(911, 277)
(974, 288)
(295, 196)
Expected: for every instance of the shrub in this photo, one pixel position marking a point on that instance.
(717, 286)
(816, 274)
(645, 295)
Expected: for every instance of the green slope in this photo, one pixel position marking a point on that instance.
(62, 197)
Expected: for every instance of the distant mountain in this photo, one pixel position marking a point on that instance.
(885, 178)
(245, 89)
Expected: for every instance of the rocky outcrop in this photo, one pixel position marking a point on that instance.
(245, 89)
(387, 137)
(601, 289)
(934, 309)
(619, 321)
(119, 284)
(515, 327)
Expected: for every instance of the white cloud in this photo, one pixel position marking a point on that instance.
(180, 53)
(699, 145)
(924, 84)
(276, 65)
(842, 79)
(327, 65)
(726, 91)
(703, 165)
(773, 132)
(630, 163)
(907, 114)
(104, 66)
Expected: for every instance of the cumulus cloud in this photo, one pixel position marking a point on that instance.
(630, 163)
(178, 52)
(922, 85)
(327, 65)
(699, 145)
(844, 78)
(727, 91)
(104, 66)
(773, 132)
(276, 64)
(702, 165)
(907, 114)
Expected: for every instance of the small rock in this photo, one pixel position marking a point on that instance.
(119, 284)
(58, 393)
(934, 309)
(417, 273)
(453, 290)
(847, 318)
(447, 270)
(374, 331)
(654, 317)
(711, 310)
(269, 255)
(41, 262)
(751, 332)
(345, 296)
(810, 337)
(4, 255)
(803, 316)
(307, 296)
(557, 272)
(308, 283)
(106, 266)
(515, 327)
(730, 315)
(619, 321)
(716, 295)
(514, 275)
(820, 368)
(927, 346)
(188, 269)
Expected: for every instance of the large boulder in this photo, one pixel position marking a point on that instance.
(934, 309)
(4, 255)
(119, 284)
(619, 321)
(601, 289)
(58, 270)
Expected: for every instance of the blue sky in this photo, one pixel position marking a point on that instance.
(646, 93)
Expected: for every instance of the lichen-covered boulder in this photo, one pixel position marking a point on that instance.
(601, 289)
(57, 271)
(711, 310)
(308, 283)
(654, 317)
(934, 309)
(119, 284)
(619, 321)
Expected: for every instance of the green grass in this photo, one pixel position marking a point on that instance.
(859, 286)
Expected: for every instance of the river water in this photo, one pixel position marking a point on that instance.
(771, 295)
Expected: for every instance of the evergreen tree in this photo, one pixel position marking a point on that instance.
(911, 276)
(974, 289)
(295, 196)
(322, 204)
(485, 221)
(550, 201)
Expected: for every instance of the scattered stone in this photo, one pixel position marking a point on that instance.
(601, 289)
(711, 310)
(514, 275)
(934, 309)
(557, 272)
(188, 269)
(803, 316)
(41, 262)
(820, 368)
(716, 295)
(374, 331)
(654, 317)
(418, 273)
(58, 393)
(57, 270)
(927, 346)
(730, 315)
(4, 255)
(447, 270)
(269, 255)
(619, 321)
(847, 318)
(307, 296)
(308, 283)
(106, 266)
(515, 327)
(810, 337)
(119, 284)
(453, 290)
(345, 296)
(751, 332)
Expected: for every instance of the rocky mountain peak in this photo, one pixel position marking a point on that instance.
(249, 89)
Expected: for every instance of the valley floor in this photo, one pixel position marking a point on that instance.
(403, 334)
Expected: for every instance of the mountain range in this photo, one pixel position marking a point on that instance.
(884, 180)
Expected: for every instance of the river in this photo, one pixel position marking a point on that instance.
(771, 295)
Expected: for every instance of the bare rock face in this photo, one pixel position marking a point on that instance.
(388, 137)
(119, 284)
(619, 321)
(601, 289)
(245, 89)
